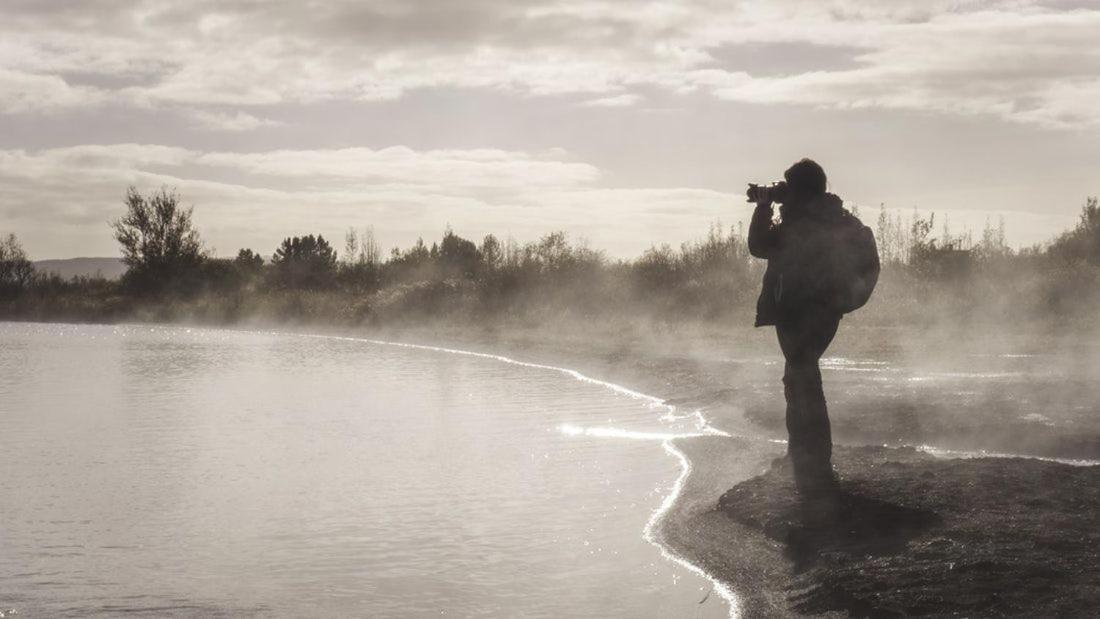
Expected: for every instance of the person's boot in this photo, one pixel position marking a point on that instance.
(814, 475)
(783, 465)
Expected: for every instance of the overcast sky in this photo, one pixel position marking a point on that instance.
(625, 123)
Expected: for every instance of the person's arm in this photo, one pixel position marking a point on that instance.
(763, 233)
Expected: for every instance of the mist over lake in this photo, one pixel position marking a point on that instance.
(182, 472)
(549, 308)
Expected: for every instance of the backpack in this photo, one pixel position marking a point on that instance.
(828, 260)
(853, 265)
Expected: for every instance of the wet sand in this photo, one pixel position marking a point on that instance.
(749, 563)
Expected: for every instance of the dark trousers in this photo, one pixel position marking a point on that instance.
(803, 340)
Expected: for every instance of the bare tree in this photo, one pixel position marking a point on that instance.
(351, 246)
(491, 253)
(159, 242)
(370, 252)
(361, 248)
(16, 271)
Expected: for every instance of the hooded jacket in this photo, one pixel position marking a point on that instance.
(800, 251)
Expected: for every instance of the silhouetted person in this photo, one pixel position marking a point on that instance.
(819, 267)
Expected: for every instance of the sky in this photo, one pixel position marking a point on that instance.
(623, 123)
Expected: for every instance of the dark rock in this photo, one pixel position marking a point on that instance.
(909, 534)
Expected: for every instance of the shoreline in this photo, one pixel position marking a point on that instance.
(654, 531)
(670, 586)
(651, 533)
(669, 527)
(763, 572)
(749, 568)
(746, 564)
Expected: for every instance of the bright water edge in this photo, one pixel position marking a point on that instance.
(197, 472)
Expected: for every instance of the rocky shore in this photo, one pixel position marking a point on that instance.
(908, 534)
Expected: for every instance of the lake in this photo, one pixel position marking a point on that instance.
(179, 472)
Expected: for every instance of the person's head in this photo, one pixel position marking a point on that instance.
(805, 180)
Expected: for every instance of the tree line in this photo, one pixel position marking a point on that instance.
(169, 269)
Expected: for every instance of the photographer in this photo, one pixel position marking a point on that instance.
(822, 263)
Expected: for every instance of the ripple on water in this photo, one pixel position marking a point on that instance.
(213, 472)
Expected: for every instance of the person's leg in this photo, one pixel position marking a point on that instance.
(792, 343)
(795, 421)
(819, 440)
(803, 341)
(819, 334)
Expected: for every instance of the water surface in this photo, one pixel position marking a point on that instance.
(174, 471)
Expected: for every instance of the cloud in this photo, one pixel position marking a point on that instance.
(22, 92)
(474, 169)
(224, 121)
(255, 199)
(1020, 60)
(59, 200)
(1028, 67)
(624, 100)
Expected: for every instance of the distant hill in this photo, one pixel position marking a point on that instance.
(110, 268)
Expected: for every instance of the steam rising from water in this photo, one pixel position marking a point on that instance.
(275, 431)
(701, 427)
(671, 414)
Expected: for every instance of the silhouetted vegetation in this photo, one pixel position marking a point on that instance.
(1082, 244)
(159, 243)
(16, 272)
(249, 261)
(304, 262)
(926, 277)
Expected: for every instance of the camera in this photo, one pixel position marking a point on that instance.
(776, 192)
